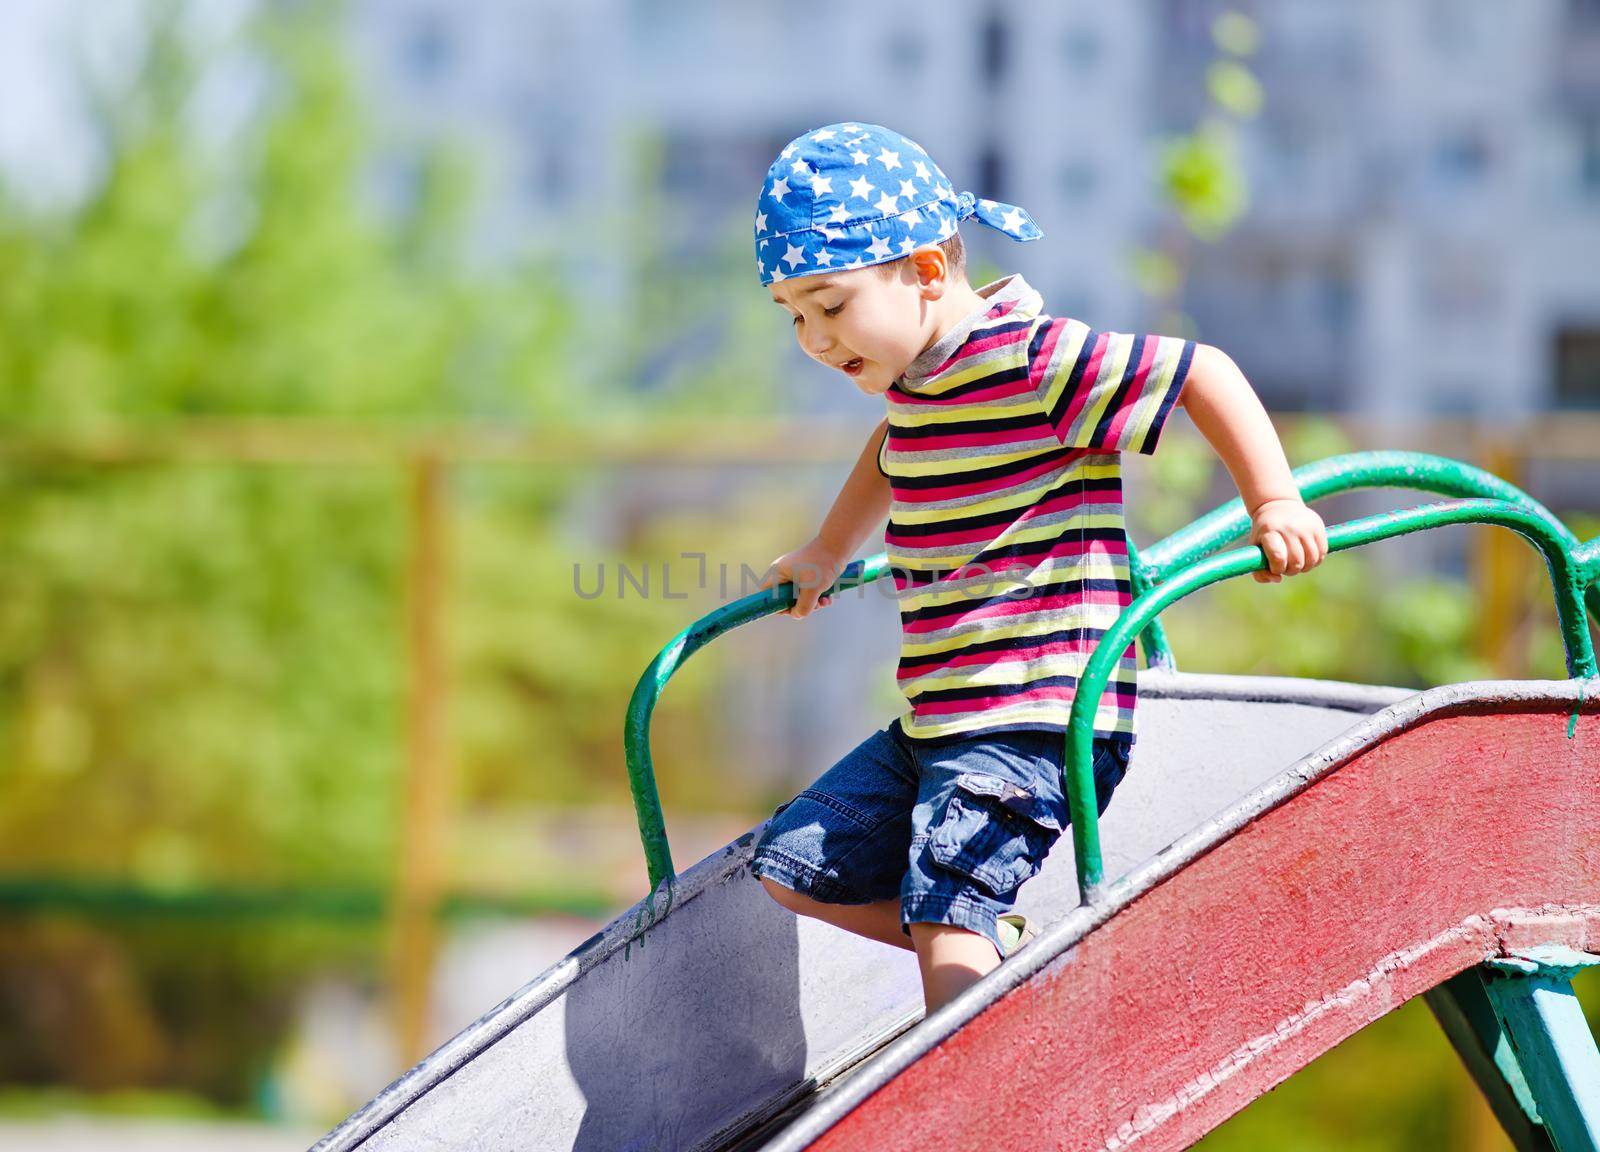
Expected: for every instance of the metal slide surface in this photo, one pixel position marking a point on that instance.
(1297, 859)
(729, 1008)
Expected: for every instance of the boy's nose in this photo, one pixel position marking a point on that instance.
(817, 346)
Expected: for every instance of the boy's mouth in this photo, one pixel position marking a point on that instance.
(852, 367)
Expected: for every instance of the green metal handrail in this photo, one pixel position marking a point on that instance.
(642, 705)
(1420, 471)
(1185, 547)
(1574, 569)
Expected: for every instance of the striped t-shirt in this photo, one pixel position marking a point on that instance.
(1006, 540)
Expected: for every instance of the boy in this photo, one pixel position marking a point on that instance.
(998, 468)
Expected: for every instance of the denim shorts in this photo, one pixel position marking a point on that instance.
(953, 827)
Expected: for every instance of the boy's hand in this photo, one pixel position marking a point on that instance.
(1291, 534)
(812, 568)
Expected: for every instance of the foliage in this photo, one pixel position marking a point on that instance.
(1199, 172)
(203, 665)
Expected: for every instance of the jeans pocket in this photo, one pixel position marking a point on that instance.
(994, 831)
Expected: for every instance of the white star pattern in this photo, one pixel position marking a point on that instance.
(856, 225)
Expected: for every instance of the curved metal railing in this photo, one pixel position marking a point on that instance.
(1166, 572)
(642, 705)
(1420, 471)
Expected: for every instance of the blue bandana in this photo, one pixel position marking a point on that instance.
(848, 195)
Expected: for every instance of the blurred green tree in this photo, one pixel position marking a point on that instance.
(202, 665)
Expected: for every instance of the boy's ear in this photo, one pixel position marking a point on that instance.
(933, 271)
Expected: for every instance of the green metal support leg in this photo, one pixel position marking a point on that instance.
(1531, 994)
(1521, 1033)
(1461, 1005)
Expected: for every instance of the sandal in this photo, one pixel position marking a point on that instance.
(1015, 930)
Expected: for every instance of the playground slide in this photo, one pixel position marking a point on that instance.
(1298, 858)
(1292, 859)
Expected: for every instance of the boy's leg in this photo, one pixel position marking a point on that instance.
(837, 851)
(952, 958)
(988, 810)
(879, 920)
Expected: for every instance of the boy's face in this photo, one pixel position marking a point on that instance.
(866, 324)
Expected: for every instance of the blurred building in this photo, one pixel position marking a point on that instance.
(1425, 183)
(657, 123)
(1425, 176)
(1424, 219)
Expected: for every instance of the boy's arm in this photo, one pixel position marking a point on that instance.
(862, 503)
(1230, 416)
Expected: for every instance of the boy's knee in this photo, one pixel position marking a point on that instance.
(788, 897)
(951, 944)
